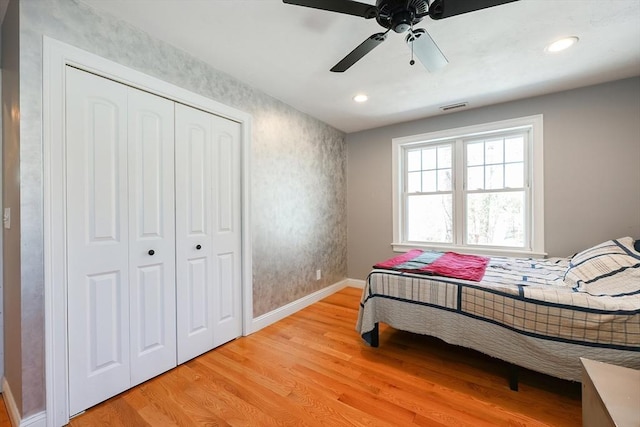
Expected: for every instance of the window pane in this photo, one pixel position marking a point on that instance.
(514, 149)
(414, 182)
(444, 156)
(429, 218)
(429, 181)
(429, 158)
(413, 161)
(493, 152)
(496, 219)
(475, 154)
(514, 175)
(495, 178)
(475, 178)
(444, 180)
(497, 185)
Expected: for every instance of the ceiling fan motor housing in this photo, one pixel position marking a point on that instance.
(400, 15)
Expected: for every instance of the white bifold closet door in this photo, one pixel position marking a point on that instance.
(120, 237)
(208, 243)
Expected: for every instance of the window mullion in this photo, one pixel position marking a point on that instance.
(459, 207)
(405, 194)
(527, 152)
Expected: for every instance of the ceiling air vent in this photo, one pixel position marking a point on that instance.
(454, 106)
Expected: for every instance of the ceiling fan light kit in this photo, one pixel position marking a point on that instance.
(427, 51)
(400, 16)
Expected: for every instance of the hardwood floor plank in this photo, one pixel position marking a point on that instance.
(334, 393)
(312, 369)
(4, 414)
(195, 413)
(154, 418)
(106, 415)
(379, 408)
(246, 372)
(229, 407)
(269, 401)
(429, 399)
(333, 378)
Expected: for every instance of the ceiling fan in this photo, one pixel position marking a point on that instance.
(400, 16)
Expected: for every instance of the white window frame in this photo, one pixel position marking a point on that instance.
(534, 179)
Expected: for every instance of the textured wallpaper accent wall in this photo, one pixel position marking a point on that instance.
(299, 207)
(11, 198)
(298, 169)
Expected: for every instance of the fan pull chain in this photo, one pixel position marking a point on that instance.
(412, 61)
(413, 39)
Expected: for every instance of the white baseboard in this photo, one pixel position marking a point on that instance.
(289, 309)
(10, 403)
(35, 420)
(356, 283)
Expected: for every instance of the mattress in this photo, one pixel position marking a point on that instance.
(522, 311)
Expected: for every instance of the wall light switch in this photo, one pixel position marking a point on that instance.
(6, 218)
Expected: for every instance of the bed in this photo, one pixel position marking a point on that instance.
(540, 314)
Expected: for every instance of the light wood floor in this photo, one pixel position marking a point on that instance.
(4, 416)
(313, 369)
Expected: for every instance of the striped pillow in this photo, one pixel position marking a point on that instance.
(610, 268)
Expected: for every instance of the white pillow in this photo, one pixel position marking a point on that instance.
(610, 268)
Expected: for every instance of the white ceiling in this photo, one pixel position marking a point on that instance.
(495, 55)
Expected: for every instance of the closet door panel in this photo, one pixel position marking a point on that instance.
(151, 235)
(225, 297)
(197, 296)
(226, 234)
(193, 232)
(97, 239)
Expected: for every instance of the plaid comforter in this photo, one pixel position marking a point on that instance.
(524, 295)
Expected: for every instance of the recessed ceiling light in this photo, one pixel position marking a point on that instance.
(361, 98)
(562, 44)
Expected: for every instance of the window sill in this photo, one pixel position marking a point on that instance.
(404, 247)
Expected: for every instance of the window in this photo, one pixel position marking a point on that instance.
(474, 189)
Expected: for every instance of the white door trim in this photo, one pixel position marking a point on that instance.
(56, 56)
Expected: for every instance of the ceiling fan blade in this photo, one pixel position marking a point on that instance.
(356, 54)
(426, 50)
(441, 9)
(341, 6)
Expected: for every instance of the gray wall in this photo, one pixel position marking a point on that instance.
(591, 170)
(298, 177)
(11, 197)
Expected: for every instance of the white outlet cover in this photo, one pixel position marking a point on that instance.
(6, 218)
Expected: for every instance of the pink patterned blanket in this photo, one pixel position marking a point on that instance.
(448, 264)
